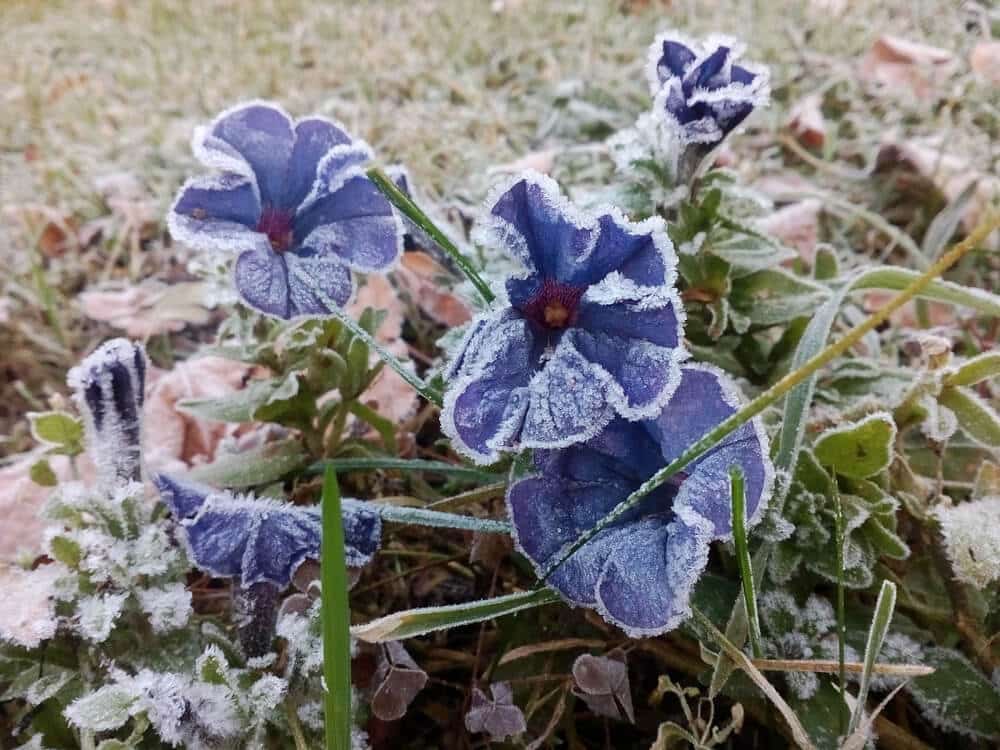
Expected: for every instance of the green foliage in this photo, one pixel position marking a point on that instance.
(58, 431)
(858, 450)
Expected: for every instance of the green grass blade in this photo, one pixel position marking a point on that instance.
(403, 464)
(876, 635)
(743, 558)
(423, 620)
(413, 212)
(841, 616)
(336, 621)
(434, 518)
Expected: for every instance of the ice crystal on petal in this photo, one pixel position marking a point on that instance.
(260, 540)
(292, 201)
(640, 571)
(971, 534)
(109, 387)
(590, 328)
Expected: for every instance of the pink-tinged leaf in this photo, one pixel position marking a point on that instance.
(904, 67)
(796, 225)
(149, 309)
(498, 717)
(176, 440)
(427, 284)
(985, 61)
(602, 682)
(397, 681)
(806, 121)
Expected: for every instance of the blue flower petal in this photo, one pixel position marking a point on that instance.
(571, 400)
(675, 59)
(356, 223)
(646, 584)
(261, 277)
(260, 134)
(484, 407)
(314, 138)
(640, 253)
(257, 540)
(183, 497)
(710, 73)
(704, 398)
(314, 281)
(216, 212)
(540, 228)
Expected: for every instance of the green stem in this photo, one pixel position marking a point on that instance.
(743, 558)
(712, 438)
(413, 212)
(296, 727)
(335, 621)
(406, 373)
(841, 616)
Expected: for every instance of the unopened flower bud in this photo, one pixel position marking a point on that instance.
(109, 386)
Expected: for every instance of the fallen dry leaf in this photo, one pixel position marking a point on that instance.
(806, 121)
(499, 717)
(950, 173)
(904, 66)
(985, 61)
(540, 161)
(55, 233)
(397, 681)
(175, 440)
(147, 309)
(424, 279)
(797, 226)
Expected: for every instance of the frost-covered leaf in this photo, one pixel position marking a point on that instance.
(499, 716)
(96, 615)
(775, 296)
(107, 708)
(168, 607)
(603, 684)
(28, 616)
(971, 534)
(57, 429)
(258, 466)
(397, 681)
(976, 417)
(859, 449)
(957, 697)
(240, 406)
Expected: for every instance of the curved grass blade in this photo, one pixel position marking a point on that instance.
(876, 635)
(403, 464)
(424, 620)
(743, 558)
(433, 518)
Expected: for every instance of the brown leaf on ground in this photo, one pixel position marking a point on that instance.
(796, 225)
(55, 233)
(175, 440)
(950, 173)
(902, 65)
(397, 681)
(389, 395)
(425, 280)
(985, 61)
(806, 121)
(147, 309)
(602, 682)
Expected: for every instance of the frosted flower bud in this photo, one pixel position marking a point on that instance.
(109, 386)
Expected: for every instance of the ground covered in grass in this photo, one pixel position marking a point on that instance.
(880, 146)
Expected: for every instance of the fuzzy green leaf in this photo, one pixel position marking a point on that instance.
(775, 296)
(261, 465)
(860, 449)
(57, 429)
(957, 697)
(977, 418)
(41, 474)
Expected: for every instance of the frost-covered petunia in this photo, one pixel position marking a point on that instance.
(591, 329)
(109, 389)
(639, 572)
(700, 88)
(291, 198)
(260, 540)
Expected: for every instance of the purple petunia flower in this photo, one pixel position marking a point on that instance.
(292, 199)
(699, 87)
(640, 571)
(260, 540)
(109, 389)
(591, 329)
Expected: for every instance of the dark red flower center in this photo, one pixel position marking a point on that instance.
(554, 305)
(277, 225)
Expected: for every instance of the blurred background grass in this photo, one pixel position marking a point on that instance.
(100, 89)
